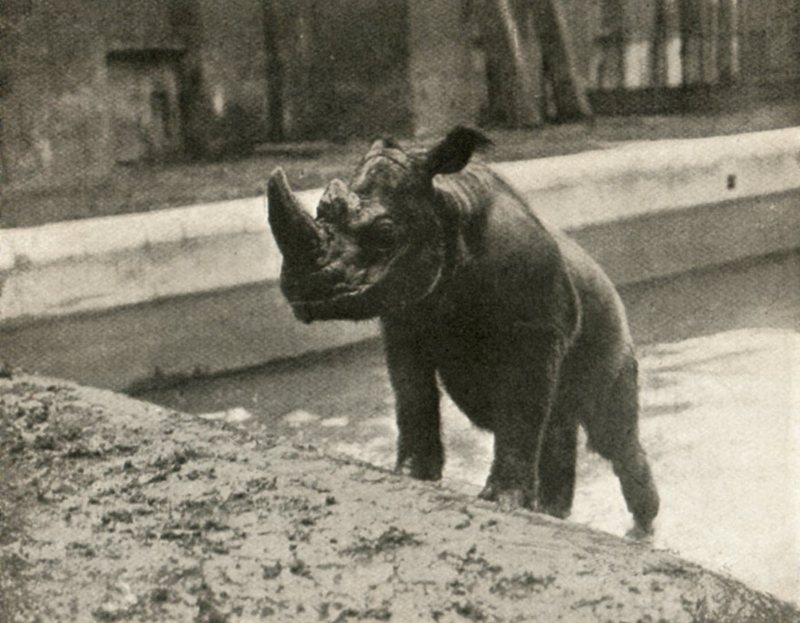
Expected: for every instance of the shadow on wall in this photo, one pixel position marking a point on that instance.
(230, 135)
(145, 119)
(164, 110)
(215, 130)
(339, 69)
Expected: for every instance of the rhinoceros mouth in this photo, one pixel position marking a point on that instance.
(352, 305)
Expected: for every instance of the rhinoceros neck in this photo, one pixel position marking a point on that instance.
(463, 203)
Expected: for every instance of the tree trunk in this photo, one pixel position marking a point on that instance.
(560, 66)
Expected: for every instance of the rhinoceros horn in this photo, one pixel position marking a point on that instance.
(292, 227)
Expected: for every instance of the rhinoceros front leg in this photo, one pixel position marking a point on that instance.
(413, 376)
(524, 382)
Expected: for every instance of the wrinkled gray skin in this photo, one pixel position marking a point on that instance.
(521, 327)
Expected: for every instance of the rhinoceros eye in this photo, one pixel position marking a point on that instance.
(382, 234)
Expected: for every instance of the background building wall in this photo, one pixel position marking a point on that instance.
(225, 77)
(769, 36)
(54, 118)
(343, 68)
(633, 44)
(445, 77)
(86, 84)
(197, 66)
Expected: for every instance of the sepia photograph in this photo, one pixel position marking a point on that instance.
(400, 310)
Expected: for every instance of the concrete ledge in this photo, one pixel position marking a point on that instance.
(69, 267)
(671, 242)
(637, 179)
(209, 273)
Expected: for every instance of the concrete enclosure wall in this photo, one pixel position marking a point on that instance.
(91, 264)
(645, 211)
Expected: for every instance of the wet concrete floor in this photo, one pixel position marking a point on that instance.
(720, 354)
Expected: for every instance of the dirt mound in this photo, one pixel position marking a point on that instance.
(117, 510)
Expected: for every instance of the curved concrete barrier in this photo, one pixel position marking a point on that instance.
(75, 266)
(638, 179)
(643, 210)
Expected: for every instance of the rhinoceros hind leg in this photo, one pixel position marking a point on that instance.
(614, 433)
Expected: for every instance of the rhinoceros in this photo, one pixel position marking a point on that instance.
(476, 295)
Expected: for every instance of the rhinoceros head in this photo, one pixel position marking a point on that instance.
(378, 242)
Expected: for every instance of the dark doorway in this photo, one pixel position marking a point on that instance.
(145, 118)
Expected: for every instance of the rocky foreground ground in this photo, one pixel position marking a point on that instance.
(117, 510)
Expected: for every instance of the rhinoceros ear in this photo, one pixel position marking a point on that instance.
(453, 153)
